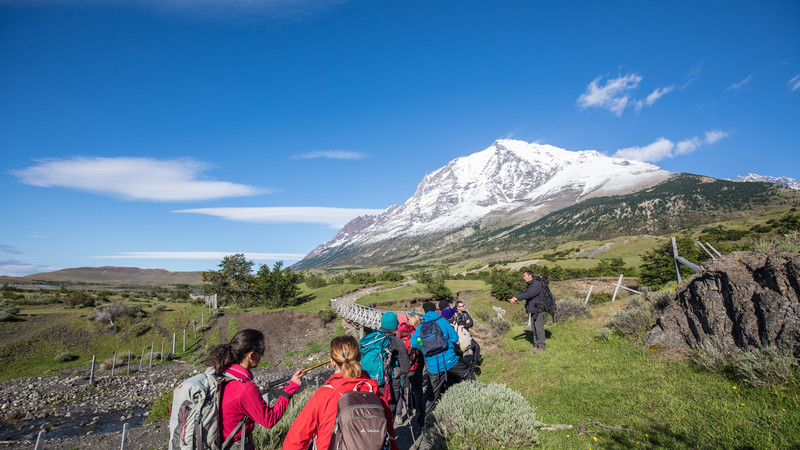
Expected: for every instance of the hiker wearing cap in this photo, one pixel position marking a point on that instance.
(397, 362)
(535, 307)
(436, 338)
(407, 324)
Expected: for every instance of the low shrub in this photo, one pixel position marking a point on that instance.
(65, 357)
(472, 414)
(711, 357)
(327, 316)
(139, 329)
(272, 438)
(600, 297)
(634, 320)
(109, 312)
(8, 312)
(121, 360)
(160, 408)
(499, 326)
(571, 309)
(603, 333)
(484, 314)
(38, 301)
(315, 281)
(79, 299)
(766, 366)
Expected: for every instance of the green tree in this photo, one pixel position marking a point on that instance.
(233, 282)
(435, 282)
(278, 287)
(658, 267)
(505, 283)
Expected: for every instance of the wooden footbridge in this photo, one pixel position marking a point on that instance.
(360, 315)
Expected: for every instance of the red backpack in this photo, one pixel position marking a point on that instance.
(404, 332)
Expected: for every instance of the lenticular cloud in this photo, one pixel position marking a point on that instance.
(133, 178)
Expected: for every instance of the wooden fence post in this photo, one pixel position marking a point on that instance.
(675, 258)
(152, 348)
(173, 343)
(184, 340)
(142, 358)
(130, 354)
(619, 283)
(40, 440)
(114, 364)
(91, 374)
(585, 302)
(124, 435)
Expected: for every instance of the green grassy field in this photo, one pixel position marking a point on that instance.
(659, 402)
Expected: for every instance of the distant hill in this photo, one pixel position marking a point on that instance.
(118, 275)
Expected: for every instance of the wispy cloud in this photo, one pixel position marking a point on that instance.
(333, 217)
(794, 83)
(664, 148)
(40, 234)
(331, 154)
(9, 249)
(134, 178)
(16, 268)
(614, 95)
(741, 84)
(216, 256)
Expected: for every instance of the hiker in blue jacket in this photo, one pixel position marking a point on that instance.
(444, 368)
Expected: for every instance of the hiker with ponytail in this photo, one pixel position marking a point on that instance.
(240, 396)
(317, 419)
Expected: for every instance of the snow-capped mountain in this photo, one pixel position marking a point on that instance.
(781, 181)
(509, 180)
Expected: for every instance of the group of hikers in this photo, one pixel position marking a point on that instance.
(406, 364)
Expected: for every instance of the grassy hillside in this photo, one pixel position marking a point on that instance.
(653, 400)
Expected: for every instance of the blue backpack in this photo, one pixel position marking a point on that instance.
(374, 349)
(431, 338)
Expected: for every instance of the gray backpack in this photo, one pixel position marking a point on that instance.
(360, 421)
(195, 413)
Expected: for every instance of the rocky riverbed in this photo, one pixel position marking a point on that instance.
(76, 414)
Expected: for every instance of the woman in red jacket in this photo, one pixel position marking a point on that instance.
(240, 396)
(318, 417)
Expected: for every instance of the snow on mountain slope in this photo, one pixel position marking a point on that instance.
(781, 181)
(509, 179)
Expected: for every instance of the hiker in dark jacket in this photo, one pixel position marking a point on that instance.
(534, 306)
(398, 362)
(446, 368)
(462, 318)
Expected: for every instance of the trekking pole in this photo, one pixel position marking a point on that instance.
(315, 366)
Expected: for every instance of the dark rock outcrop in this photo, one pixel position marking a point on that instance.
(736, 303)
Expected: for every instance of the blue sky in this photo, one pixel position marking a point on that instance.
(166, 134)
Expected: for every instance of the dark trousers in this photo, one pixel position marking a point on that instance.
(417, 398)
(396, 387)
(476, 352)
(439, 382)
(537, 327)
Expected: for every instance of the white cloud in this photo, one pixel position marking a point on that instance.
(333, 217)
(332, 154)
(688, 146)
(663, 148)
(134, 178)
(794, 83)
(203, 255)
(657, 94)
(741, 84)
(715, 135)
(613, 96)
(658, 150)
(16, 268)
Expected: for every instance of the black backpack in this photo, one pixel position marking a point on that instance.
(549, 301)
